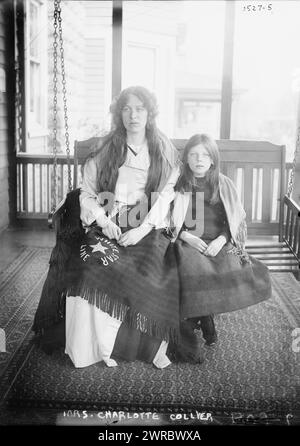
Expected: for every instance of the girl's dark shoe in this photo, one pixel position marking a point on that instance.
(188, 348)
(208, 330)
(211, 340)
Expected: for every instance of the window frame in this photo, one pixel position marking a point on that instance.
(34, 128)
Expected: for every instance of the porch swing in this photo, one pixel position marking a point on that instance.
(239, 159)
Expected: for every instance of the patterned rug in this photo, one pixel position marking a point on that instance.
(252, 368)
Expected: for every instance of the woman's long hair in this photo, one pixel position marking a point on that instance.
(111, 155)
(187, 180)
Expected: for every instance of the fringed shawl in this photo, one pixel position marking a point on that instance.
(236, 215)
(51, 307)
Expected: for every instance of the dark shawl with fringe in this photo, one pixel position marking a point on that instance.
(51, 308)
(136, 284)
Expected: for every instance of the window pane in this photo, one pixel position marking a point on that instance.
(194, 115)
(33, 30)
(146, 58)
(266, 67)
(31, 87)
(36, 72)
(35, 98)
(176, 50)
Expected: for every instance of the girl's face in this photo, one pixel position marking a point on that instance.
(199, 160)
(134, 115)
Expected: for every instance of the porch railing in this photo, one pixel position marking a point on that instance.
(35, 183)
(291, 229)
(35, 174)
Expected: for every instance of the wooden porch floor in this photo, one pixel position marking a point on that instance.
(13, 239)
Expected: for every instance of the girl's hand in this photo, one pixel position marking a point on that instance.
(133, 236)
(215, 246)
(194, 241)
(112, 231)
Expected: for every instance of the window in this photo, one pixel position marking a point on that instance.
(196, 115)
(36, 67)
(146, 74)
(266, 67)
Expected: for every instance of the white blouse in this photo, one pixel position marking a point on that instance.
(130, 188)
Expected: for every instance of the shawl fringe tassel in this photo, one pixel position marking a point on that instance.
(124, 313)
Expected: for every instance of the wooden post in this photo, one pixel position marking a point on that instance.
(9, 14)
(282, 194)
(296, 190)
(226, 97)
(117, 20)
(20, 37)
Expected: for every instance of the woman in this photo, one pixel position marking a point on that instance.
(123, 303)
(216, 274)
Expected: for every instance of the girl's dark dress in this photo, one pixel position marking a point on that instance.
(223, 283)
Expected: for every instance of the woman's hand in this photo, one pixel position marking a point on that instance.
(133, 236)
(112, 231)
(215, 246)
(194, 241)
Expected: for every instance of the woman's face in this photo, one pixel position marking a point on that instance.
(134, 115)
(199, 160)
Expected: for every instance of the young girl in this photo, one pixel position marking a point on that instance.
(216, 274)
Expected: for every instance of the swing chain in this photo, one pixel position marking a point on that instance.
(58, 42)
(55, 72)
(64, 91)
(18, 95)
(292, 172)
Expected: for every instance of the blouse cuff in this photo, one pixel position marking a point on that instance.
(100, 217)
(226, 235)
(146, 227)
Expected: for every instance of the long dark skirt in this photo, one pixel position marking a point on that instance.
(219, 284)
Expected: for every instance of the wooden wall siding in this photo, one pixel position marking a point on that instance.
(4, 197)
(99, 14)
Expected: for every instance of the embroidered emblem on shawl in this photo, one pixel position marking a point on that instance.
(103, 251)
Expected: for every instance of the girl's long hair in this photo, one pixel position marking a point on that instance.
(111, 154)
(186, 180)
